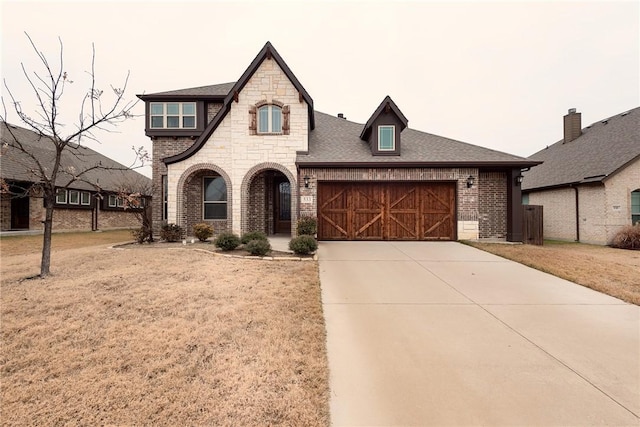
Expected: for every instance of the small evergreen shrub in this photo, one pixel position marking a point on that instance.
(627, 238)
(258, 247)
(307, 226)
(142, 234)
(227, 241)
(203, 231)
(303, 245)
(171, 232)
(253, 235)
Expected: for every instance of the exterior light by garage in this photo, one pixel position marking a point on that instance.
(470, 181)
(306, 181)
(519, 179)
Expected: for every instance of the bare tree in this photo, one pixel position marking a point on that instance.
(97, 111)
(135, 198)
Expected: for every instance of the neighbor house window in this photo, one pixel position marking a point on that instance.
(215, 198)
(74, 197)
(386, 138)
(635, 207)
(172, 115)
(61, 196)
(113, 201)
(85, 198)
(270, 119)
(525, 199)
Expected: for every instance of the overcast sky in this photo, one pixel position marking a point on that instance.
(495, 74)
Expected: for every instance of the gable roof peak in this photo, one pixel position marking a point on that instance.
(386, 106)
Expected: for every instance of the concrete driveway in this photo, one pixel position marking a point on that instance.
(422, 333)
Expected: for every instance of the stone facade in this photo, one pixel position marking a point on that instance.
(234, 152)
(603, 208)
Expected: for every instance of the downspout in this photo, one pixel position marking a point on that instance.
(575, 188)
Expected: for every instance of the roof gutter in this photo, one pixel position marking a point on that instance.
(383, 164)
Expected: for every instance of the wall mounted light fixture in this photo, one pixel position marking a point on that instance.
(470, 181)
(306, 181)
(518, 180)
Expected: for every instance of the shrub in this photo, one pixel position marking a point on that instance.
(627, 238)
(203, 231)
(303, 245)
(307, 226)
(227, 241)
(258, 247)
(142, 234)
(253, 235)
(171, 232)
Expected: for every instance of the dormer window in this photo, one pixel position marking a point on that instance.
(270, 119)
(172, 115)
(386, 138)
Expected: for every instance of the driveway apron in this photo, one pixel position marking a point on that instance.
(422, 333)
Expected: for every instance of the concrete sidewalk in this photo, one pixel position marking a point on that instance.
(422, 333)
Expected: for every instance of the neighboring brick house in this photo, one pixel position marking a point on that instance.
(589, 183)
(89, 204)
(253, 155)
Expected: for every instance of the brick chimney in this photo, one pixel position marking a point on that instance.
(572, 125)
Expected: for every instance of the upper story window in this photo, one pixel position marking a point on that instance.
(172, 115)
(386, 138)
(270, 119)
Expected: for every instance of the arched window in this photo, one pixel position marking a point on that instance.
(270, 119)
(214, 198)
(635, 206)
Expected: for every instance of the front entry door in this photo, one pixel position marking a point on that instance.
(282, 207)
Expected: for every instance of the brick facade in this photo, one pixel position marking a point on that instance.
(5, 212)
(467, 199)
(602, 208)
(492, 205)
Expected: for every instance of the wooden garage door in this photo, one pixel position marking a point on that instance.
(386, 211)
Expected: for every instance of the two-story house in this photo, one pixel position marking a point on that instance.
(253, 155)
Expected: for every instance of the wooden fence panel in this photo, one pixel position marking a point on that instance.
(532, 230)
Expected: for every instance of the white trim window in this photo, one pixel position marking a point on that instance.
(61, 196)
(113, 201)
(74, 197)
(386, 138)
(270, 119)
(85, 198)
(172, 115)
(214, 197)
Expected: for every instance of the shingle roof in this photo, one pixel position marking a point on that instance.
(219, 90)
(337, 141)
(603, 148)
(17, 166)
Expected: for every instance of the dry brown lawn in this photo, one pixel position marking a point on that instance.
(159, 336)
(615, 272)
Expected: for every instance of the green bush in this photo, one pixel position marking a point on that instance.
(627, 238)
(227, 241)
(307, 226)
(142, 234)
(171, 232)
(253, 235)
(203, 231)
(303, 245)
(258, 247)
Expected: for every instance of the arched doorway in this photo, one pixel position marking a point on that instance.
(269, 206)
